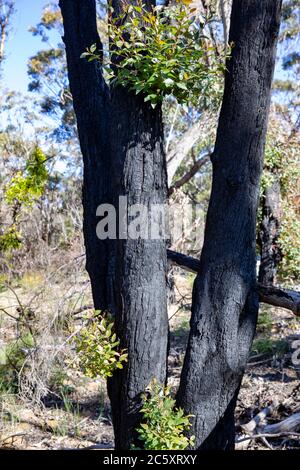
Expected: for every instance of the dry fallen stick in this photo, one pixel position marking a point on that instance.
(9, 441)
(84, 308)
(259, 363)
(269, 436)
(285, 428)
(92, 447)
(259, 418)
(287, 425)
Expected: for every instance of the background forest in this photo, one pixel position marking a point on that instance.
(51, 395)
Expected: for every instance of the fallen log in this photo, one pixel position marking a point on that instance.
(280, 298)
(270, 295)
(258, 419)
(290, 424)
(257, 429)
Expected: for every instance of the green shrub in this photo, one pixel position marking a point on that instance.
(264, 321)
(270, 347)
(98, 348)
(13, 357)
(164, 54)
(289, 242)
(27, 186)
(24, 188)
(10, 239)
(163, 425)
(282, 164)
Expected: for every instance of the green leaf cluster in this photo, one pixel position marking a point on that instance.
(97, 348)
(273, 163)
(159, 54)
(10, 240)
(26, 187)
(163, 426)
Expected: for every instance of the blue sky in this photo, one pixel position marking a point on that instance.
(21, 44)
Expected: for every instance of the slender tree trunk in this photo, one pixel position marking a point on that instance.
(268, 234)
(225, 300)
(90, 98)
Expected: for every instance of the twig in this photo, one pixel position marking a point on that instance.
(270, 436)
(267, 444)
(9, 314)
(12, 436)
(259, 363)
(82, 309)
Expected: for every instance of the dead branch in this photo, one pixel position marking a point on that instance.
(84, 308)
(182, 147)
(269, 436)
(259, 418)
(280, 298)
(92, 447)
(290, 424)
(267, 294)
(189, 175)
(183, 261)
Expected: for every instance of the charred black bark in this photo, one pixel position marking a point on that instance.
(90, 98)
(225, 299)
(140, 294)
(269, 232)
(121, 139)
(139, 266)
(122, 144)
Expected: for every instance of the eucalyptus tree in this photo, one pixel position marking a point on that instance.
(225, 298)
(121, 138)
(279, 221)
(7, 9)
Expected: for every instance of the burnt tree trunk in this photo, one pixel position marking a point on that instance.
(269, 231)
(139, 266)
(139, 285)
(90, 99)
(121, 139)
(225, 299)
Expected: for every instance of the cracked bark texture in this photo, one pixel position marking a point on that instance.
(121, 140)
(90, 98)
(225, 299)
(139, 280)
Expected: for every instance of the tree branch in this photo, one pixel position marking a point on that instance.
(189, 175)
(186, 142)
(280, 298)
(270, 295)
